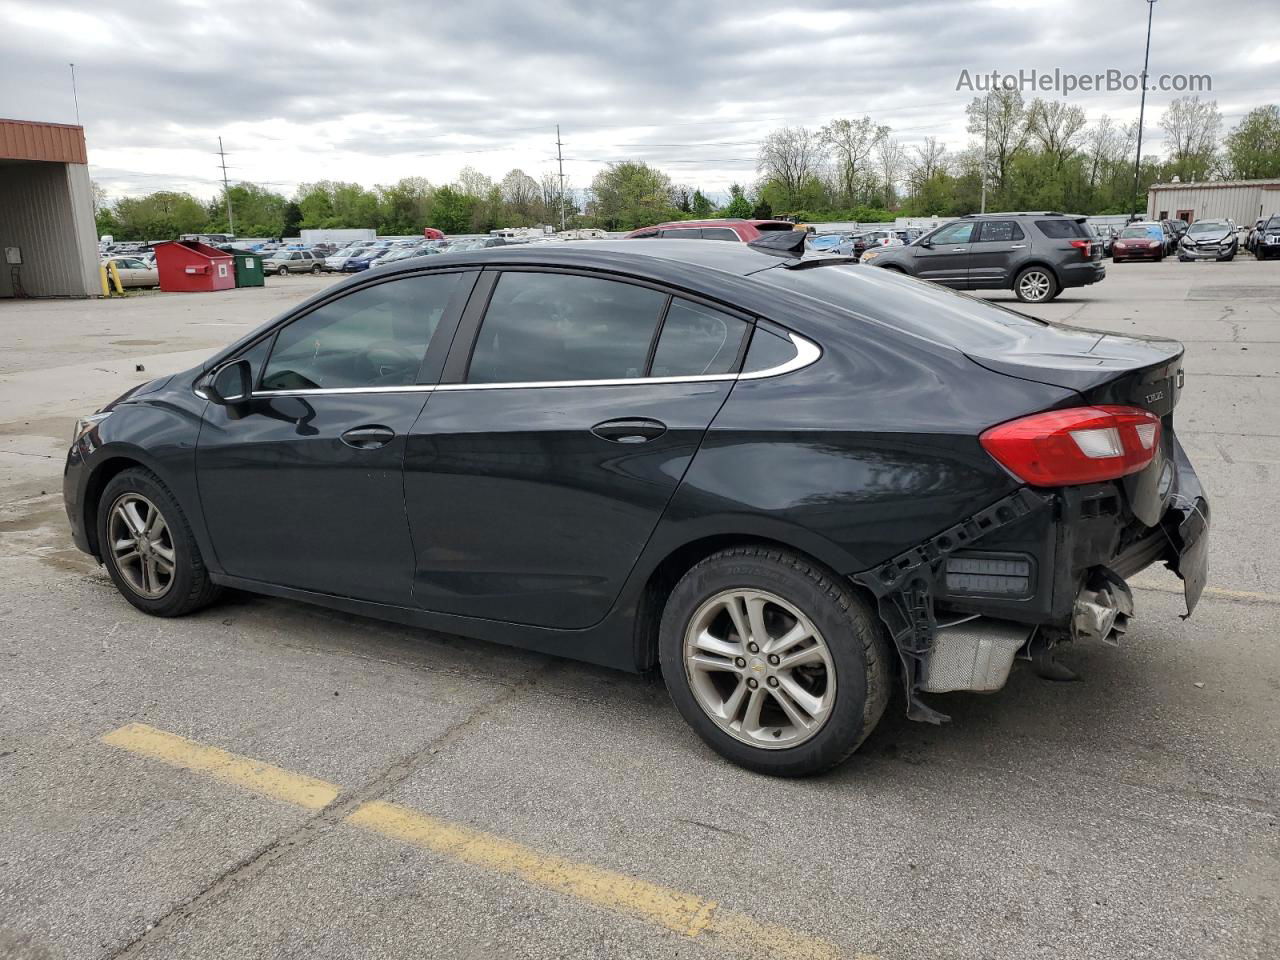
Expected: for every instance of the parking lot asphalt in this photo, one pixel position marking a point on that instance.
(267, 779)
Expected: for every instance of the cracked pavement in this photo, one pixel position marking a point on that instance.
(1132, 815)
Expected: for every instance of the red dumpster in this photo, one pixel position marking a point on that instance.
(187, 266)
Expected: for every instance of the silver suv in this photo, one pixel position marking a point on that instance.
(292, 261)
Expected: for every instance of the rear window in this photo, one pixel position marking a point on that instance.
(766, 227)
(1141, 233)
(1063, 229)
(915, 306)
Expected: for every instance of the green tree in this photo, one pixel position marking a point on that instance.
(739, 205)
(163, 215)
(257, 212)
(1253, 147)
(405, 206)
(631, 194)
(451, 210)
(700, 206)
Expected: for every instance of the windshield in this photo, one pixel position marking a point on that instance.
(916, 306)
(1207, 226)
(1273, 223)
(1141, 233)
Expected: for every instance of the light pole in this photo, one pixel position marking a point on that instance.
(1142, 108)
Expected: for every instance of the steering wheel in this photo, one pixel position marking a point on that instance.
(391, 361)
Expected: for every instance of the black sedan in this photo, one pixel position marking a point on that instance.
(789, 483)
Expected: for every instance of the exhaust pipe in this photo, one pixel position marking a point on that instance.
(1102, 609)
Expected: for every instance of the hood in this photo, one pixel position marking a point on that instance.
(1209, 236)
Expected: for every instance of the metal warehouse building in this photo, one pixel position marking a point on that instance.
(48, 242)
(1242, 201)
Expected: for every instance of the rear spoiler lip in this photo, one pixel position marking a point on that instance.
(1079, 379)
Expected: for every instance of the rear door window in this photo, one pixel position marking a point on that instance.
(684, 233)
(1063, 229)
(697, 341)
(718, 233)
(551, 327)
(996, 230)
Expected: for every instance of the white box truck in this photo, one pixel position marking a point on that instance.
(340, 237)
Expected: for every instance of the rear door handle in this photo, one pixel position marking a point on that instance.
(368, 437)
(630, 430)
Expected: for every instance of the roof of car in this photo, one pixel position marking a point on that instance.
(717, 222)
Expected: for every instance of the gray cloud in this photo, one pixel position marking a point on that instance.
(302, 90)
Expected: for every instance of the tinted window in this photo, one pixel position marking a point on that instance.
(1000, 230)
(718, 233)
(1063, 229)
(917, 306)
(697, 340)
(767, 351)
(558, 326)
(951, 233)
(373, 337)
(685, 233)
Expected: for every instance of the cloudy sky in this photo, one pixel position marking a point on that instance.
(373, 92)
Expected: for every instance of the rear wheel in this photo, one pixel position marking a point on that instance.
(1035, 285)
(775, 661)
(315, 270)
(148, 548)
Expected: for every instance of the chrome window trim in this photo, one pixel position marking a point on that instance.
(807, 352)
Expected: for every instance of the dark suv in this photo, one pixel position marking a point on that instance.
(1036, 255)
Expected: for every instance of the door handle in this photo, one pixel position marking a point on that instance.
(630, 430)
(959, 249)
(1019, 246)
(369, 437)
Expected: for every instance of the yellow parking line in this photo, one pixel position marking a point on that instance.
(1247, 596)
(684, 913)
(244, 772)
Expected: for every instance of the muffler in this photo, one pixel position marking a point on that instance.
(974, 655)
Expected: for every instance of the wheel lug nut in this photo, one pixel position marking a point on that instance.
(752, 682)
(753, 647)
(774, 659)
(773, 681)
(740, 663)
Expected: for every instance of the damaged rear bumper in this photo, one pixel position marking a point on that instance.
(1042, 566)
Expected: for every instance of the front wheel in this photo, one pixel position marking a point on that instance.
(148, 548)
(1035, 285)
(774, 661)
(282, 271)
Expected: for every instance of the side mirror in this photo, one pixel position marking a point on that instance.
(924, 242)
(230, 383)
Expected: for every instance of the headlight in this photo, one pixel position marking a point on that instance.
(870, 255)
(85, 424)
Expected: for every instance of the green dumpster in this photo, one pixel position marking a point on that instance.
(248, 268)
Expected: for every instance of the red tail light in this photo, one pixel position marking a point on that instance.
(1080, 445)
(1084, 246)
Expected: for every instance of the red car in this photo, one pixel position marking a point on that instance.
(743, 231)
(1139, 241)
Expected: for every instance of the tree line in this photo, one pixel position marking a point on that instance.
(1036, 155)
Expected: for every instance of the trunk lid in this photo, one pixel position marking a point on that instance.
(1105, 368)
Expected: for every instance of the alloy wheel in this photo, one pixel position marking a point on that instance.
(1034, 285)
(141, 546)
(759, 668)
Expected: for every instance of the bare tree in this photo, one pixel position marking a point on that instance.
(1000, 118)
(1056, 126)
(1192, 126)
(852, 142)
(929, 161)
(791, 156)
(520, 192)
(891, 157)
(474, 183)
(1104, 145)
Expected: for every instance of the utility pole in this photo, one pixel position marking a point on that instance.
(1142, 107)
(74, 95)
(226, 190)
(560, 161)
(986, 136)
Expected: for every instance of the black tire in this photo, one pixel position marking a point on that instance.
(1228, 258)
(854, 635)
(315, 270)
(1050, 290)
(190, 588)
(282, 271)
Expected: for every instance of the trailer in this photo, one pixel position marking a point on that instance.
(310, 238)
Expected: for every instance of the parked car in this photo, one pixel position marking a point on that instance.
(135, 272)
(1036, 255)
(727, 228)
(404, 252)
(831, 243)
(364, 259)
(284, 262)
(948, 482)
(1209, 240)
(1104, 235)
(1267, 245)
(1141, 240)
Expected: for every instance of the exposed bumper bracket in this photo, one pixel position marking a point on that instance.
(904, 585)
